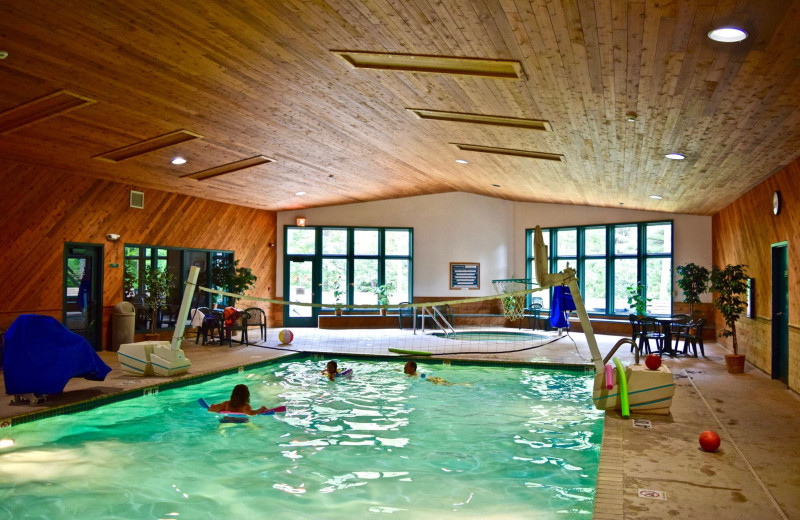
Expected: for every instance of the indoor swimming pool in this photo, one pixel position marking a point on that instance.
(498, 442)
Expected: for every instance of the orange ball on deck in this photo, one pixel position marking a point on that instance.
(709, 441)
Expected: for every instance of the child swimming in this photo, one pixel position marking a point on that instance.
(239, 402)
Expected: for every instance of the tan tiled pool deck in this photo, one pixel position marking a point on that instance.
(648, 473)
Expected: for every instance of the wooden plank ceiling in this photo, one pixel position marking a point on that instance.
(253, 78)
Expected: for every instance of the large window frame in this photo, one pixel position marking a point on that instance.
(644, 251)
(353, 253)
(136, 257)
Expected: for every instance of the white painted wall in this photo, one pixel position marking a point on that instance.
(461, 227)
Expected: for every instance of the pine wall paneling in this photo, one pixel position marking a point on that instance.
(744, 232)
(42, 209)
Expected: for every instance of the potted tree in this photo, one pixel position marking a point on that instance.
(636, 300)
(158, 283)
(693, 282)
(338, 292)
(383, 292)
(231, 278)
(730, 286)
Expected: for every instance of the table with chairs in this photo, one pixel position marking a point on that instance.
(220, 324)
(657, 333)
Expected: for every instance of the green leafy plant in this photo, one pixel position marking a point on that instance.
(338, 292)
(383, 292)
(693, 282)
(636, 300)
(158, 283)
(730, 287)
(130, 279)
(231, 278)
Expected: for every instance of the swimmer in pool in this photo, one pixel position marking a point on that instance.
(410, 369)
(239, 403)
(331, 370)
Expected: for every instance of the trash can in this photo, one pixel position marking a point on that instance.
(123, 322)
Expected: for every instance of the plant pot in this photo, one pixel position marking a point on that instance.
(735, 363)
(383, 311)
(338, 311)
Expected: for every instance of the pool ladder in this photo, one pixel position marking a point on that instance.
(438, 318)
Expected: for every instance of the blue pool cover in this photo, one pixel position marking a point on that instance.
(41, 355)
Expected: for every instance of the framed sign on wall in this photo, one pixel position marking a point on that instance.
(465, 275)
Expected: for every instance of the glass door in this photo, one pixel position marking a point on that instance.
(83, 292)
(300, 288)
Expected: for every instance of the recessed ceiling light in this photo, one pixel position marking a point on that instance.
(300, 193)
(630, 117)
(3, 55)
(462, 161)
(727, 34)
(657, 197)
(179, 160)
(675, 156)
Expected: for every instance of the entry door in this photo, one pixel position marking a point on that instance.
(300, 283)
(780, 312)
(83, 291)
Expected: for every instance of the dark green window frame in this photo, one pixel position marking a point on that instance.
(146, 254)
(350, 256)
(578, 261)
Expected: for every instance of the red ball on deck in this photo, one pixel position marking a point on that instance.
(652, 361)
(709, 441)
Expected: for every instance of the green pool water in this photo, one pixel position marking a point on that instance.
(515, 443)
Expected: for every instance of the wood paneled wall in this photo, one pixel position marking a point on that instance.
(41, 209)
(743, 234)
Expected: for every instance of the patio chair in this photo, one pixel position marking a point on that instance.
(636, 327)
(256, 317)
(651, 329)
(692, 337)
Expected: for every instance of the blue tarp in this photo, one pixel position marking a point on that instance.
(560, 306)
(41, 355)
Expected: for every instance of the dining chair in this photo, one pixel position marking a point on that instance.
(256, 317)
(651, 329)
(692, 338)
(681, 323)
(209, 325)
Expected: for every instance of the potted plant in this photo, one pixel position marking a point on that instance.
(383, 295)
(231, 278)
(157, 283)
(636, 300)
(693, 282)
(730, 287)
(338, 293)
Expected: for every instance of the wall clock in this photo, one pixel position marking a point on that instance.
(776, 203)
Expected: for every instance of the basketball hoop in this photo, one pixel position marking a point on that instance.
(514, 304)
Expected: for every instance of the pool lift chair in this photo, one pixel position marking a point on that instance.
(161, 358)
(634, 387)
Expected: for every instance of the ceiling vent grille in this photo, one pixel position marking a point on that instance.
(462, 117)
(502, 69)
(52, 105)
(228, 168)
(137, 199)
(510, 151)
(148, 145)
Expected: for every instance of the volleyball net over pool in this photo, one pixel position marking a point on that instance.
(513, 321)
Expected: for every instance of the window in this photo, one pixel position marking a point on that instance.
(177, 261)
(609, 260)
(353, 261)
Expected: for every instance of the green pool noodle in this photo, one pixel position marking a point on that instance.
(409, 352)
(623, 388)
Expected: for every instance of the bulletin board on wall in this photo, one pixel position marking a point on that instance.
(465, 275)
